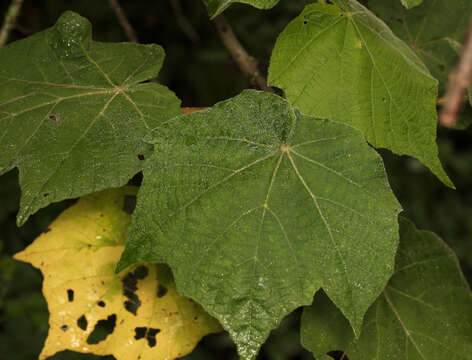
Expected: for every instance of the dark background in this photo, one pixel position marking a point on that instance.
(198, 69)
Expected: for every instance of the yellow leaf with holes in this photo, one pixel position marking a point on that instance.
(136, 314)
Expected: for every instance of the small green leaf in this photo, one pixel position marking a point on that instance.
(256, 206)
(411, 3)
(424, 313)
(341, 62)
(434, 30)
(216, 7)
(73, 112)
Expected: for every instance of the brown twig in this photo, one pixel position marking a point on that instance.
(123, 20)
(10, 20)
(247, 64)
(459, 81)
(183, 22)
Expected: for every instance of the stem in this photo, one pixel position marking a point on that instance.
(459, 80)
(246, 63)
(10, 20)
(123, 20)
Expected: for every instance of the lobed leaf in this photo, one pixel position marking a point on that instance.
(425, 312)
(137, 314)
(73, 111)
(255, 207)
(216, 7)
(341, 62)
(434, 31)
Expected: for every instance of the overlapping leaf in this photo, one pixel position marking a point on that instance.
(256, 206)
(433, 30)
(424, 313)
(216, 7)
(147, 318)
(73, 113)
(341, 62)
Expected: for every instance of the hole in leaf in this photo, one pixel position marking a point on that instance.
(46, 194)
(161, 291)
(141, 157)
(64, 327)
(338, 355)
(101, 303)
(148, 333)
(70, 295)
(54, 118)
(82, 322)
(102, 329)
(129, 204)
(383, 99)
(130, 282)
(305, 22)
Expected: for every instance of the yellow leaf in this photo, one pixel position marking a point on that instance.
(136, 314)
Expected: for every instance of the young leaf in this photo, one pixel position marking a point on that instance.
(73, 112)
(137, 314)
(424, 313)
(256, 206)
(433, 30)
(341, 62)
(411, 3)
(216, 7)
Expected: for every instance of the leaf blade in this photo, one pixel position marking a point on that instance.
(413, 318)
(77, 257)
(341, 62)
(70, 123)
(248, 203)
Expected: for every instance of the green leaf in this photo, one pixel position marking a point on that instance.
(255, 207)
(411, 3)
(216, 7)
(433, 31)
(73, 112)
(342, 63)
(424, 313)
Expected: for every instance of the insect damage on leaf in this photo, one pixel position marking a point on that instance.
(256, 206)
(94, 310)
(425, 312)
(343, 63)
(72, 108)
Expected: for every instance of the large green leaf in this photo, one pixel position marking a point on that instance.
(256, 206)
(216, 7)
(341, 62)
(73, 113)
(424, 313)
(433, 30)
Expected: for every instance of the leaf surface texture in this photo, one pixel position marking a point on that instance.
(73, 111)
(425, 312)
(148, 319)
(341, 62)
(255, 207)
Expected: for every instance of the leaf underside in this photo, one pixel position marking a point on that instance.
(341, 62)
(73, 112)
(256, 206)
(77, 257)
(216, 7)
(425, 312)
(434, 31)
